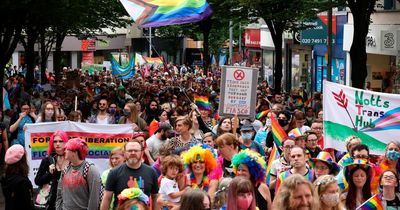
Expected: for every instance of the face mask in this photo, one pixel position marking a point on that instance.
(247, 136)
(244, 203)
(268, 122)
(112, 110)
(49, 114)
(393, 155)
(283, 122)
(330, 199)
(127, 113)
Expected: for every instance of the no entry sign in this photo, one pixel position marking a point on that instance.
(238, 91)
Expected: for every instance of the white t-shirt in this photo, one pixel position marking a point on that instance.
(154, 145)
(102, 121)
(168, 186)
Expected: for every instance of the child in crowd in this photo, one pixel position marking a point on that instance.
(169, 189)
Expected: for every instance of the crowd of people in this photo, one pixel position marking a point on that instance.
(182, 154)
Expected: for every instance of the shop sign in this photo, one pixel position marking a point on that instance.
(88, 45)
(389, 40)
(318, 31)
(252, 38)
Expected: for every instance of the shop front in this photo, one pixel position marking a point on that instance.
(383, 52)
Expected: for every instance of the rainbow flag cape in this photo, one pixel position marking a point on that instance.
(273, 156)
(156, 13)
(277, 131)
(154, 60)
(202, 102)
(262, 114)
(295, 132)
(374, 203)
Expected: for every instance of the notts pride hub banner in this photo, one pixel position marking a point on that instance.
(372, 116)
(101, 139)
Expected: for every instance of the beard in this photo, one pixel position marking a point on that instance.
(133, 160)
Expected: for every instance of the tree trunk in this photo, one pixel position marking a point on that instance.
(276, 30)
(361, 11)
(9, 41)
(32, 35)
(43, 57)
(206, 28)
(57, 56)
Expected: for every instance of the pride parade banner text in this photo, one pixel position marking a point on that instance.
(372, 116)
(101, 139)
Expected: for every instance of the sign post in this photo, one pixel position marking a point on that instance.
(238, 91)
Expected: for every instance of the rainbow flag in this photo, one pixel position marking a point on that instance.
(374, 203)
(295, 132)
(272, 156)
(202, 102)
(154, 60)
(262, 114)
(156, 13)
(308, 102)
(277, 131)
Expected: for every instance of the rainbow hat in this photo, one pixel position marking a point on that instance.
(325, 157)
(363, 164)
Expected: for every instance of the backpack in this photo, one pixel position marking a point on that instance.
(85, 175)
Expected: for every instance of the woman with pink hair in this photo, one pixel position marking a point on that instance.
(51, 167)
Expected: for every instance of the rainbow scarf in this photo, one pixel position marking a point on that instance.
(274, 155)
(155, 13)
(374, 203)
(202, 102)
(204, 183)
(277, 131)
(262, 114)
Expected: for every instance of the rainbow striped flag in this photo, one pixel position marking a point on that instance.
(272, 156)
(374, 203)
(202, 102)
(277, 131)
(154, 60)
(156, 13)
(295, 132)
(262, 114)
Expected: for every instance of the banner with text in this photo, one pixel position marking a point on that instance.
(238, 91)
(372, 116)
(101, 139)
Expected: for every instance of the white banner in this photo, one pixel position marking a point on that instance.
(238, 91)
(372, 116)
(101, 139)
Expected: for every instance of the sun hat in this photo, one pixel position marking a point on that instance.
(79, 145)
(363, 164)
(14, 154)
(325, 157)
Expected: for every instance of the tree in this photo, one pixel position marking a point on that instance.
(361, 11)
(281, 16)
(12, 15)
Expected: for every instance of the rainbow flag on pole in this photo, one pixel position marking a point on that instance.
(262, 114)
(272, 156)
(154, 60)
(202, 102)
(374, 203)
(277, 131)
(295, 132)
(156, 13)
